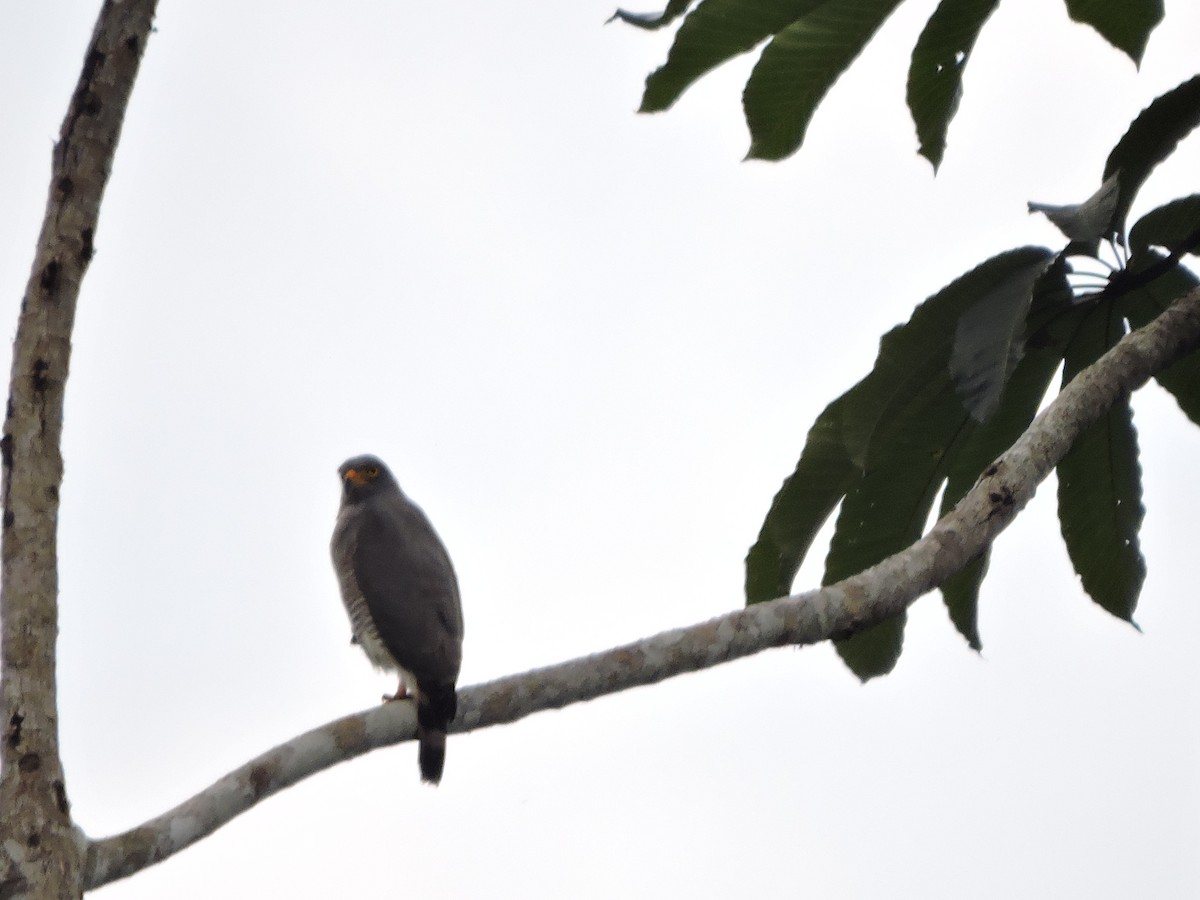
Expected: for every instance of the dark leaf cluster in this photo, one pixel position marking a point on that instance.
(954, 386)
(808, 44)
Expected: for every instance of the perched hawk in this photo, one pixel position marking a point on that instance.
(402, 598)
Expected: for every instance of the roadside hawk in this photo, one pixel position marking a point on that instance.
(402, 598)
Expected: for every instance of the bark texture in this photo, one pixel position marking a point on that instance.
(859, 601)
(41, 851)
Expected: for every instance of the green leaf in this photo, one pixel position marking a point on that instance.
(887, 508)
(1146, 303)
(715, 31)
(988, 340)
(935, 73)
(1099, 483)
(915, 353)
(1126, 24)
(799, 66)
(823, 475)
(1151, 138)
(653, 21)
(1052, 326)
(884, 446)
(1174, 226)
(874, 651)
(960, 593)
(833, 456)
(919, 426)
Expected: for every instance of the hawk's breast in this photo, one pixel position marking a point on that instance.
(366, 635)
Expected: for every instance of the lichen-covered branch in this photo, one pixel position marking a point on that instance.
(861, 600)
(41, 853)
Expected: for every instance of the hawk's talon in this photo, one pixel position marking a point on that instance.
(401, 693)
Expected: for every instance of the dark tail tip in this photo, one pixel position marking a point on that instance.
(431, 754)
(434, 713)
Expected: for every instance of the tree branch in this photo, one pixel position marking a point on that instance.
(857, 602)
(40, 850)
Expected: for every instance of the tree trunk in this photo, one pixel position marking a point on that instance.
(41, 849)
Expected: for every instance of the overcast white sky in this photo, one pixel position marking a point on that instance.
(590, 344)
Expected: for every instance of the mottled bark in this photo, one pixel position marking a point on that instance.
(41, 851)
(868, 597)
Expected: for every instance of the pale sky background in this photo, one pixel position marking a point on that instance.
(590, 344)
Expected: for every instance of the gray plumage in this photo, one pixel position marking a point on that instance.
(400, 592)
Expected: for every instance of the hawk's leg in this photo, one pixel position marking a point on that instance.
(401, 693)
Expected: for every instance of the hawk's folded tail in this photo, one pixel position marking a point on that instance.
(435, 711)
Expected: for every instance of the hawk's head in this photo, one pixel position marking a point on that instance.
(365, 476)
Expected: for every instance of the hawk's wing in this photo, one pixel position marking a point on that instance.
(408, 582)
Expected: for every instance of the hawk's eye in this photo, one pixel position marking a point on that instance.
(372, 471)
